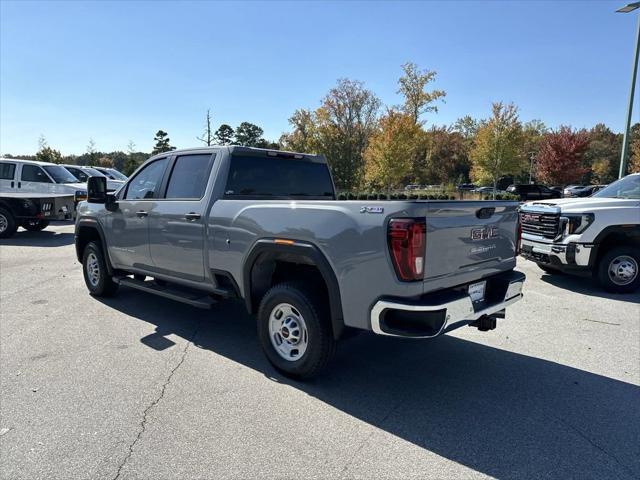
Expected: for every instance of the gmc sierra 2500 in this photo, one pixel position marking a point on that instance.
(265, 226)
(599, 235)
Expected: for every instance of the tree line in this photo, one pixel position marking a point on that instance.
(370, 146)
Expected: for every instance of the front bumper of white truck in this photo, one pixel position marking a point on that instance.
(567, 256)
(436, 313)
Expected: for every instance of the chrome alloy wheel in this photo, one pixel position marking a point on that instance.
(4, 223)
(288, 332)
(623, 270)
(93, 269)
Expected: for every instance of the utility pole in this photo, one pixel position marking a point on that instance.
(532, 157)
(634, 73)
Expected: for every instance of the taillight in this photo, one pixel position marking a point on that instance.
(406, 238)
(518, 236)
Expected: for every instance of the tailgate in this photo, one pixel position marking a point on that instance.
(465, 238)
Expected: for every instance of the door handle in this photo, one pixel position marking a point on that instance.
(191, 216)
(141, 213)
(19, 184)
(12, 183)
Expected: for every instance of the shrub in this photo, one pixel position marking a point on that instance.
(342, 196)
(382, 196)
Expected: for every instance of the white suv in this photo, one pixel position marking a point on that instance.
(598, 234)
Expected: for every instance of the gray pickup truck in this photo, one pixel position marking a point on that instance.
(264, 226)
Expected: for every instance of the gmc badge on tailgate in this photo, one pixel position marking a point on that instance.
(484, 233)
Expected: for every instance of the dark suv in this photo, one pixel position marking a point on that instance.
(528, 192)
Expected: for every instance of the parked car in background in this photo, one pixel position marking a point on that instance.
(528, 192)
(265, 226)
(599, 235)
(569, 189)
(413, 187)
(585, 191)
(112, 173)
(466, 186)
(487, 190)
(38, 177)
(83, 173)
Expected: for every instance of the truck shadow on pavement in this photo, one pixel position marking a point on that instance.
(587, 286)
(44, 238)
(500, 413)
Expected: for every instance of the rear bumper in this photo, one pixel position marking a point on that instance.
(434, 314)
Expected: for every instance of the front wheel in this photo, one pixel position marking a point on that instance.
(618, 270)
(96, 276)
(294, 330)
(35, 225)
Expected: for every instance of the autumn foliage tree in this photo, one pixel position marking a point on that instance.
(412, 86)
(560, 156)
(392, 147)
(445, 157)
(497, 150)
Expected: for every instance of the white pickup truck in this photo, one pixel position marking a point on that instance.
(598, 234)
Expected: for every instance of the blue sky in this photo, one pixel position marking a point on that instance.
(121, 71)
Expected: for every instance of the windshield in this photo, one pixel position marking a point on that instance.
(60, 174)
(627, 187)
(116, 174)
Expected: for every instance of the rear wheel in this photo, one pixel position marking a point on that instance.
(618, 269)
(294, 330)
(7, 224)
(96, 275)
(35, 225)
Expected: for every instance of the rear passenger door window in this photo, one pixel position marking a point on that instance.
(146, 184)
(33, 173)
(189, 177)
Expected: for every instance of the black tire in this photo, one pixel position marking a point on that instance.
(7, 224)
(35, 225)
(619, 259)
(320, 342)
(102, 285)
(549, 269)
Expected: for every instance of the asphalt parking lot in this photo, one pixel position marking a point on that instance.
(137, 386)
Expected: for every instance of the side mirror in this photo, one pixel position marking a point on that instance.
(97, 190)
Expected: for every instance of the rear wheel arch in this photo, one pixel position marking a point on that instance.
(269, 263)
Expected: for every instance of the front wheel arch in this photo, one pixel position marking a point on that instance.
(89, 230)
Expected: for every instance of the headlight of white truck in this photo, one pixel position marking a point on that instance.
(576, 223)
